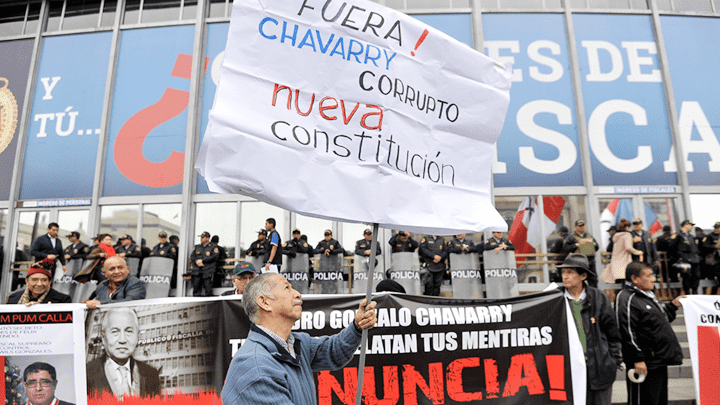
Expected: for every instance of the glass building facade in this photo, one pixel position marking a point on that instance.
(103, 106)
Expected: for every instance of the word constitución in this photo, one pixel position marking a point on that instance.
(415, 164)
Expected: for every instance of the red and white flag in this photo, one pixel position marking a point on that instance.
(525, 231)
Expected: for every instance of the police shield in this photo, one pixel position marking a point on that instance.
(296, 272)
(156, 273)
(329, 277)
(360, 277)
(500, 274)
(257, 262)
(133, 264)
(466, 275)
(63, 281)
(405, 271)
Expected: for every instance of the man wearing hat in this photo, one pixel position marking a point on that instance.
(258, 248)
(329, 246)
(711, 252)
(128, 248)
(76, 249)
(596, 326)
(204, 259)
(363, 246)
(578, 240)
(433, 254)
(37, 287)
(164, 248)
(688, 253)
(643, 241)
(242, 274)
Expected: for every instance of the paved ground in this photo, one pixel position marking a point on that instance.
(681, 391)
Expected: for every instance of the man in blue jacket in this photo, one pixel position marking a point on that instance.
(275, 366)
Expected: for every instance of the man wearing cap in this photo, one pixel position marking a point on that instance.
(572, 244)
(649, 344)
(666, 243)
(37, 287)
(460, 245)
(498, 242)
(258, 248)
(164, 248)
(76, 249)
(273, 254)
(204, 259)
(49, 246)
(644, 242)
(363, 246)
(596, 326)
(242, 274)
(128, 248)
(688, 254)
(433, 253)
(403, 242)
(711, 252)
(329, 246)
(296, 245)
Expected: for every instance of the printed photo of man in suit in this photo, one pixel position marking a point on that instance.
(117, 371)
(40, 381)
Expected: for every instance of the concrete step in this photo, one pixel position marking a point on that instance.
(681, 391)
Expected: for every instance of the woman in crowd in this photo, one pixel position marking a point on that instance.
(622, 252)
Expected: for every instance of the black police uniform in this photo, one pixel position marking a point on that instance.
(647, 246)
(712, 256)
(332, 245)
(461, 246)
(131, 250)
(429, 248)
(79, 250)
(295, 246)
(362, 245)
(202, 276)
(165, 250)
(410, 245)
(688, 252)
(257, 248)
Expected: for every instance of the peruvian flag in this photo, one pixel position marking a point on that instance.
(525, 230)
(622, 208)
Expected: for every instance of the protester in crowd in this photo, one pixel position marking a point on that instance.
(390, 286)
(598, 332)
(434, 253)
(667, 243)
(402, 242)
(688, 258)
(37, 287)
(220, 263)
(460, 245)
(97, 256)
(296, 245)
(49, 246)
(118, 286)
(273, 254)
(498, 242)
(649, 343)
(128, 248)
(204, 260)
(76, 250)
(260, 246)
(582, 242)
(711, 254)
(242, 274)
(40, 382)
(621, 256)
(329, 246)
(117, 371)
(275, 365)
(644, 242)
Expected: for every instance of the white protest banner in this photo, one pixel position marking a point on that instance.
(353, 111)
(702, 321)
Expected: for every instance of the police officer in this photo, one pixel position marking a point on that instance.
(711, 252)
(688, 253)
(363, 246)
(76, 249)
(460, 245)
(572, 245)
(128, 248)
(164, 248)
(498, 242)
(433, 252)
(204, 260)
(296, 245)
(402, 242)
(644, 242)
(259, 247)
(329, 246)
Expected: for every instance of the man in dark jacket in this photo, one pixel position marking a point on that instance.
(644, 242)
(258, 248)
(688, 255)
(76, 249)
(433, 253)
(37, 287)
(648, 341)
(49, 246)
(597, 329)
(402, 242)
(666, 243)
(204, 260)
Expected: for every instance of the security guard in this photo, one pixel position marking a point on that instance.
(164, 248)
(433, 252)
(204, 259)
(76, 249)
(260, 246)
(402, 242)
(296, 245)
